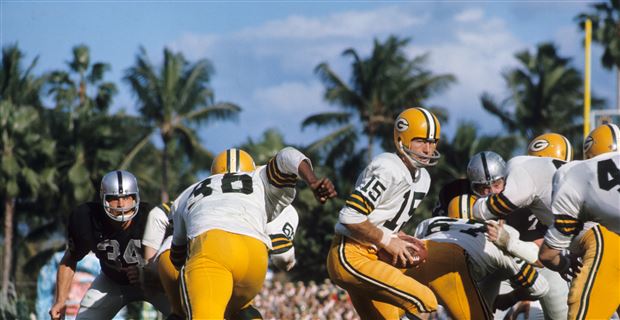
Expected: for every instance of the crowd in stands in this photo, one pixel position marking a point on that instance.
(297, 300)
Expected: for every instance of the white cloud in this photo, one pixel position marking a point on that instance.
(291, 97)
(469, 15)
(476, 57)
(195, 46)
(345, 24)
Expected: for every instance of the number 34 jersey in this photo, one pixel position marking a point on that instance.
(385, 193)
(241, 202)
(585, 191)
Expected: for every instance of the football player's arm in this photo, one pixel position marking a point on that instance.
(282, 231)
(154, 232)
(64, 277)
(565, 206)
(518, 192)
(507, 238)
(178, 248)
(397, 247)
(289, 164)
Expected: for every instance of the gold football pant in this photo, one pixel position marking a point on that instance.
(377, 289)
(169, 277)
(446, 272)
(223, 274)
(595, 292)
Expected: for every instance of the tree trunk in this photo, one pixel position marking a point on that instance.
(9, 212)
(164, 171)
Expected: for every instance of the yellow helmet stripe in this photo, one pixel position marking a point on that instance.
(615, 135)
(431, 125)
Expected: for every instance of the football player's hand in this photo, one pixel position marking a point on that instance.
(523, 307)
(497, 234)
(134, 274)
(323, 189)
(570, 267)
(57, 311)
(399, 249)
(418, 244)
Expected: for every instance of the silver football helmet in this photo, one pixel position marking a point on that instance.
(117, 184)
(484, 168)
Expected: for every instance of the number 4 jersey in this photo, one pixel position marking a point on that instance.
(585, 191)
(386, 194)
(90, 229)
(241, 203)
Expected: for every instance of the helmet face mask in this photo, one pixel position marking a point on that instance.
(416, 134)
(603, 139)
(231, 161)
(551, 145)
(118, 188)
(486, 172)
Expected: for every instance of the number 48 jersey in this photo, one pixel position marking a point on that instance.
(585, 191)
(385, 193)
(241, 203)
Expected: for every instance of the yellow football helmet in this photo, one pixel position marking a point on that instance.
(460, 207)
(551, 145)
(603, 139)
(232, 160)
(416, 123)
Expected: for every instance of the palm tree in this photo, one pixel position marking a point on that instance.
(606, 31)
(171, 100)
(380, 87)
(546, 94)
(81, 125)
(25, 147)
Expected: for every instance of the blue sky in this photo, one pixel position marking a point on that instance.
(264, 53)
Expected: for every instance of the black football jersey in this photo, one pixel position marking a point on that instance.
(90, 229)
(448, 192)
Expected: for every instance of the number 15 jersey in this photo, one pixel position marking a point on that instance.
(386, 194)
(239, 203)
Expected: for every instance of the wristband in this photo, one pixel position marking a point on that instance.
(385, 239)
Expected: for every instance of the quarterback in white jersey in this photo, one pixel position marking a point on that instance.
(384, 199)
(588, 191)
(223, 221)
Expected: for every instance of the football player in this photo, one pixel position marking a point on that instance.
(385, 197)
(448, 276)
(220, 237)
(527, 191)
(486, 172)
(585, 191)
(113, 229)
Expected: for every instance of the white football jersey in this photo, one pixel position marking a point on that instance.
(386, 194)
(157, 225)
(589, 190)
(486, 258)
(241, 202)
(528, 184)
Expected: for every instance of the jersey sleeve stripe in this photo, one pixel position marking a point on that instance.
(353, 204)
(568, 225)
(526, 277)
(362, 199)
(507, 202)
(495, 208)
(279, 179)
